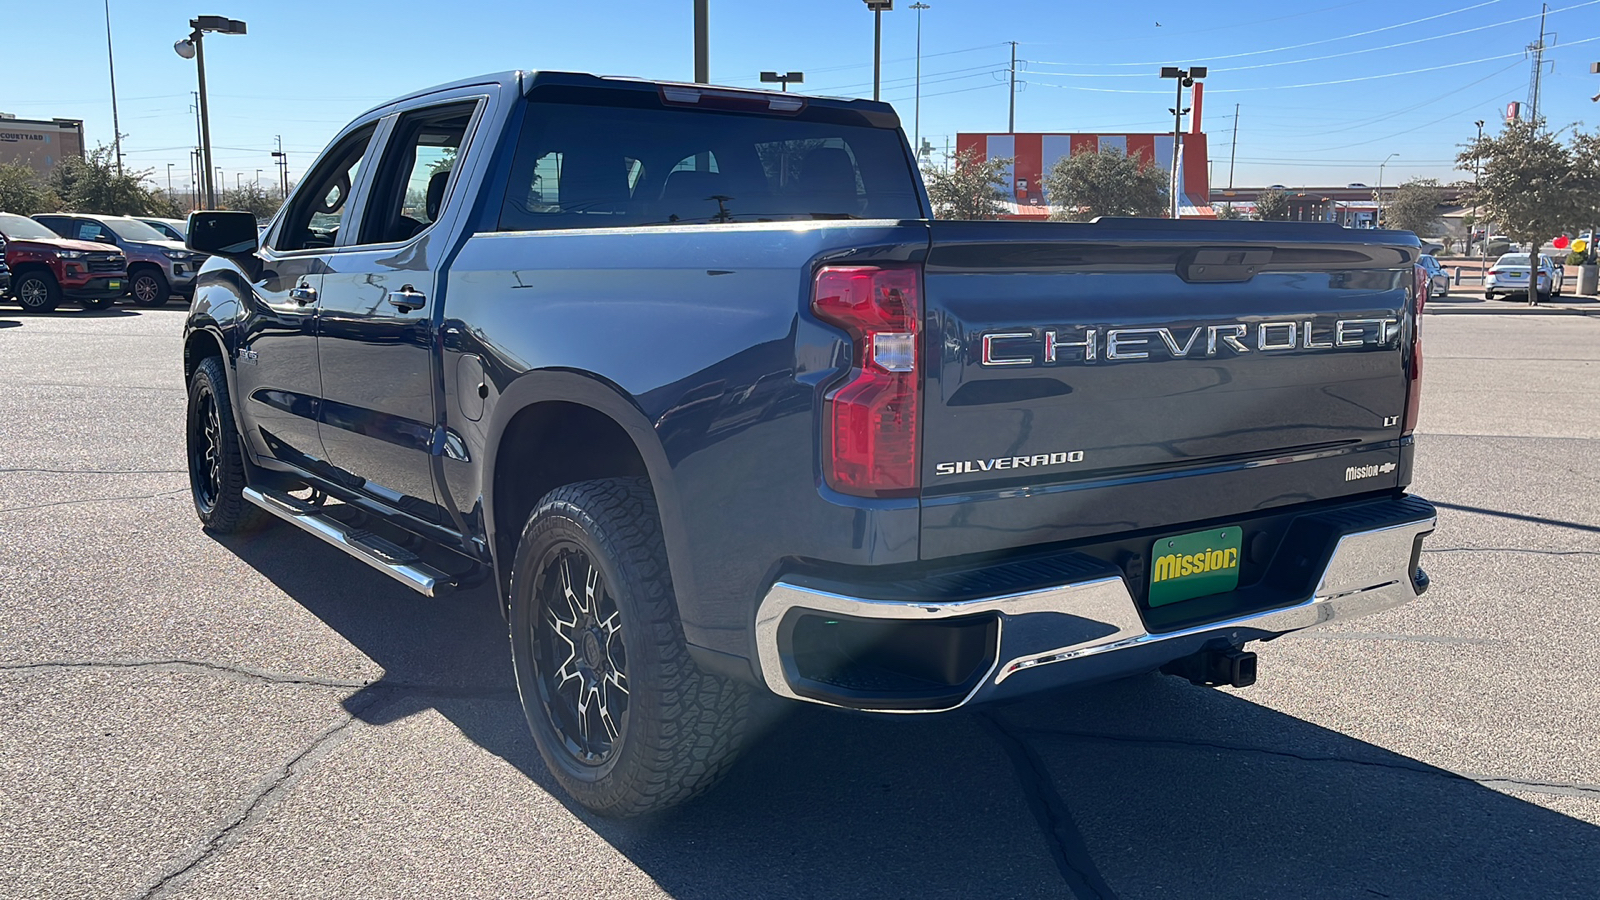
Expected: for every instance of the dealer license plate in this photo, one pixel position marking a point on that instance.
(113, 285)
(1194, 565)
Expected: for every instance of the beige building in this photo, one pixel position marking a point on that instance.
(39, 143)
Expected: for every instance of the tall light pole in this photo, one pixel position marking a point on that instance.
(111, 63)
(193, 47)
(1379, 223)
(785, 79)
(702, 43)
(1184, 78)
(281, 160)
(877, 7)
(1476, 177)
(169, 179)
(916, 115)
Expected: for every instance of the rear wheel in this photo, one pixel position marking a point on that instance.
(620, 713)
(216, 460)
(150, 287)
(37, 292)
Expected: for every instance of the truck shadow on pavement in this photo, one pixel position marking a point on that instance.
(1147, 787)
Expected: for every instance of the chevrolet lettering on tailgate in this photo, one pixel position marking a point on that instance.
(1059, 345)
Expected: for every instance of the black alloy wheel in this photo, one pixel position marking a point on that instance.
(622, 716)
(205, 449)
(37, 292)
(582, 664)
(150, 288)
(216, 461)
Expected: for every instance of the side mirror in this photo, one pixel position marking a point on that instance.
(104, 239)
(223, 233)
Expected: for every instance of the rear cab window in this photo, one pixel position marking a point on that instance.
(600, 158)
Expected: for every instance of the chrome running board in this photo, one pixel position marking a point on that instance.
(397, 562)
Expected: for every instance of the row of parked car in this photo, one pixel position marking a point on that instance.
(1507, 276)
(93, 260)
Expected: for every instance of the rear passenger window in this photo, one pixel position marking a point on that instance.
(419, 165)
(592, 166)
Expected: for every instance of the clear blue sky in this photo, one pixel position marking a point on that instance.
(1327, 89)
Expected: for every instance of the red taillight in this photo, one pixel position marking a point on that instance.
(1414, 386)
(870, 430)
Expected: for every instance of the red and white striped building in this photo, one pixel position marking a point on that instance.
(1034, 153)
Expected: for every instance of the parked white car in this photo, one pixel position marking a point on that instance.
(1509, 275)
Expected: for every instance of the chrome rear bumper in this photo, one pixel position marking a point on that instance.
(1091, 629)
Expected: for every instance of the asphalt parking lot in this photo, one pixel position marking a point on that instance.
(187, 717)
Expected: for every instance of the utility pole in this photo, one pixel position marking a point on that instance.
(1234, 151)
(169, 179)
(281, 160)
(1537, 49)
(702, 43)
(111, 62)
(1476, 177)
(916, 115)
(1011, 123)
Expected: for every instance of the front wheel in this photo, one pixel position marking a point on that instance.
(620, 713)
(37, 292)
(150, 288)
(216, 459)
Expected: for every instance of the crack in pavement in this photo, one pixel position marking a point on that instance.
(1559, 788)
(1050, 811)
(265, 791)
(94, 471)
(157, 496)
(248, 673)
(1511, 550)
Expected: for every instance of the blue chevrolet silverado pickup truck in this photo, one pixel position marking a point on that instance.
(694, 379)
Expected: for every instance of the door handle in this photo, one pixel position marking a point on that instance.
(303, 294)
(407, 298)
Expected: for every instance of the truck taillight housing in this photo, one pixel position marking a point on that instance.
(1423, 285)
(870, 417)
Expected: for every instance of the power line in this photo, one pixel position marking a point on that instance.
(1343, 37)
(1352, 80)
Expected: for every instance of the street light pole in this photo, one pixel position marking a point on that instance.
(702, 43)
(916, 115)
(169, 179)
(1185, 78)
(877, 7)
(1477, 164)
(193, 47)
(1379, 223)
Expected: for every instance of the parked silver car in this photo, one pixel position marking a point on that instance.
(174, 229)
(1509, 275)
(158, 266)
(1438, 276)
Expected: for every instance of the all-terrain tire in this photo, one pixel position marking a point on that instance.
(217, 476)
(681, 728)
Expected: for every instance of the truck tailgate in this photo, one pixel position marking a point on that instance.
(1127, 375)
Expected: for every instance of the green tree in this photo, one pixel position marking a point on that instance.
(93, 185)
(23, 192)
(1083, 186)
(163, 205)
(1530, 184)
(251, 197)
(1228, 212)
(1272, 205)
(970, 189)
(1414, 207)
